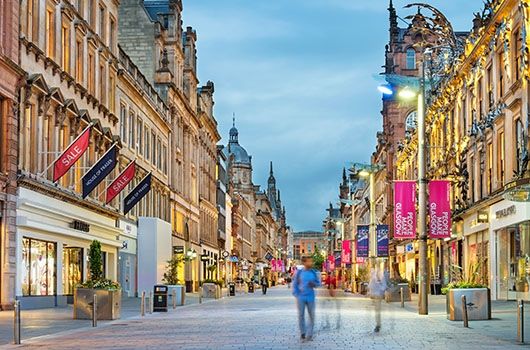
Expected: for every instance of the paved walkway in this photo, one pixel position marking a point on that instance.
(42, 322)
(254, 321)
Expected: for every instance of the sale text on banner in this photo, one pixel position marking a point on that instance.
(440, 209)
(72, 154)
(404, 209)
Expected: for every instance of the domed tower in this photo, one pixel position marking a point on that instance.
(239, 164)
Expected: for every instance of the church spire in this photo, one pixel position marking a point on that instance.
(394, 30)
(234, 134)
(344, 178)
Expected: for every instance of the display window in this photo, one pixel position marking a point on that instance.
(39, 267)
(72, 268)
(513, 266)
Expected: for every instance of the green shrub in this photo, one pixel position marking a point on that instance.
(461, 285)
(96, 279)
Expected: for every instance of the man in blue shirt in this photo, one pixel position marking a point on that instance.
(304, 283)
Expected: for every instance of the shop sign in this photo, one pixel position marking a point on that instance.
(205, 257)
(409, 248)
(99, 171)
(72, 154)
(137, 194)
(404, 209)
(503, 213)
(268, 256)
(225, 254)
(178, 249)
(80, 226)
(483, 217)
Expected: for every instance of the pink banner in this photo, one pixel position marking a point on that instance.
(346, 252)
(331, 262)
(273, 265)
(440, 209)
(404, 209)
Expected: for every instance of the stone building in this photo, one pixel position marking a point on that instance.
(307, 242)
(10, 77)
(69, 55)
(477, 136)
(151, 33)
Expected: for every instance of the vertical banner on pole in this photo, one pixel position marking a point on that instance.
(362, 241)
(440, 209)
(331, 262)
(346, 252)
(382, 241)
(404, 209)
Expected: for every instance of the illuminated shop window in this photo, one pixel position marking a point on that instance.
(38, 267)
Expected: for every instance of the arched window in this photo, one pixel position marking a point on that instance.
(411, 58)
(410, 121)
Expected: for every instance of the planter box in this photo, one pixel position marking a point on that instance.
(109, 303)
(180, 294)
(209, 290)
(393, 293)
(478, 304)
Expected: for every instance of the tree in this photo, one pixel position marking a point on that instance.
(318, 259)
(94, 258)
(171, 276)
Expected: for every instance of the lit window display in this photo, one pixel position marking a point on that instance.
(513, 254)
(72, 268)
(39, 270)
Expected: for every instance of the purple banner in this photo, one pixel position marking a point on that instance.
(363, 241)
(382, 241)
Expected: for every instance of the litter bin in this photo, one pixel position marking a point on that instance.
(251, 287)
(232, 289)
(160, 299)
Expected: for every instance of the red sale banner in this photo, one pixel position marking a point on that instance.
(71, 155)
(121, 181)
(440, 209)
(346, 252)
(404, 209)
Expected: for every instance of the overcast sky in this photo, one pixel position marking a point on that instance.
(299, 75)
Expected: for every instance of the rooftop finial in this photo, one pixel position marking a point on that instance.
(271, 172)
(234, 119)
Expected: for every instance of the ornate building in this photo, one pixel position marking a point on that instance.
(151, 33)
(10, 77)
(477, 135)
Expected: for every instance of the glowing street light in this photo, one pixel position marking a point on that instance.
(407, 93)
(385, 89)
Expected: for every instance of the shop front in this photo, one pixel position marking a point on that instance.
(53, 238)
(127, 259)
(510, 230)
(475, 267)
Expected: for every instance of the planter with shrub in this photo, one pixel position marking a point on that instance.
(108, 292)
(171, 279)
(393, 292)
(478, 300)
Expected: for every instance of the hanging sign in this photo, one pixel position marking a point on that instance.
(121, 181)
(382, 241)
(404, 209)
(137, 193)
(72, 154)
(363, 241)
(100, 170)
(346, 252)
(440, 209)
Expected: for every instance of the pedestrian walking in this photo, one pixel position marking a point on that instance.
(264, 284)
(376, 290)
(288, 280)
(304, 283)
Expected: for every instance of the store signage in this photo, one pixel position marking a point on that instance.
(439, 209)
(205, 257)
(346, 252)
(225, 254)
(511, 210)
(362, 241)
(404, 209)
(137, 194)
(178, 249)
(72, 154)
(268, 256)
(125, 244)
(483, 217)
(409, 248)
(121, 181)
(80, 226)
(382, 241)
(100, 170)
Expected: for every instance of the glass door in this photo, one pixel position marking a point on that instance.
(72, 268)
(503, 265)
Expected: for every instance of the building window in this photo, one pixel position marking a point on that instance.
(159, 154)
(490, 88)
(132, 125)
(112, 33)
(164, 159)
(50, 32)
(91, 73)
(79, 61)
(65, 43)
(147, 151)
(38, 267)
(501, 153)
(480, 99)
(80, 4)
(102, 23)
(123, 123)
(92, 13)
(140, 136)
(32, 20)
(411, 58)
(518, 40)
(102, 85)
(500, 60)
(410, 121)
(153, 147)
(519, 145)
(489, 180)
(112, 93)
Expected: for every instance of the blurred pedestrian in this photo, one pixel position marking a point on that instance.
(288, 280)
(376, 290)
(304, 283)
(264, 284)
